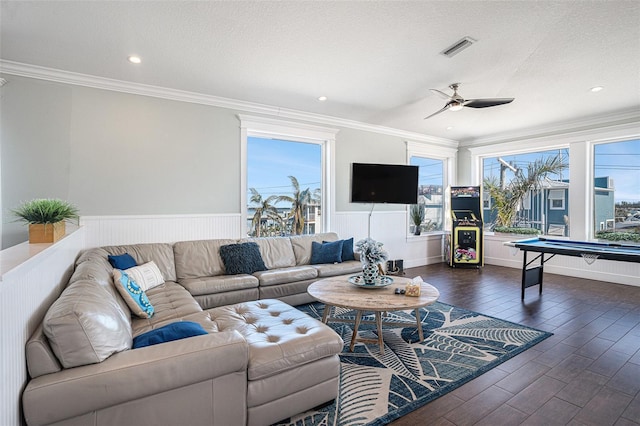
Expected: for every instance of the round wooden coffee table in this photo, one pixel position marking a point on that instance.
(338, 291)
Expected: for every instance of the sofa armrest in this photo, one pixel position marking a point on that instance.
(133, 374)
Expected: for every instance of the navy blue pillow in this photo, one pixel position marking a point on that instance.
(122, 261)
(168, 333)
(326, 252)
(242, 258)
(347, 249)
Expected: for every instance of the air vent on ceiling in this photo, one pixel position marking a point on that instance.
(458, 47)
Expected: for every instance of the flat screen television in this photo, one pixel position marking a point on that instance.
(384, 183)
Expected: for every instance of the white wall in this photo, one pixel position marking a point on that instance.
(31, 277)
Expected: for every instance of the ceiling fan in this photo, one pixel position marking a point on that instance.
(456, 102)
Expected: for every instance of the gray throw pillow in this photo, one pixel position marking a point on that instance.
(243, 258)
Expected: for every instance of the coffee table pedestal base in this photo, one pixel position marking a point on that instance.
(378, 322)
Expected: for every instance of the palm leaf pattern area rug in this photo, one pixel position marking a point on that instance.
(375, 389)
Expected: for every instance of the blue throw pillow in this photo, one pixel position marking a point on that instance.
(244, 258)
(122, 261)
(347, 249)
(168, 333)
(326, 252)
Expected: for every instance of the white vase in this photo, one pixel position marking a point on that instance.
(370, 273)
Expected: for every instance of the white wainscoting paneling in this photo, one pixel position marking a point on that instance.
(118, 230)
(496, 253)
(26, 292)
(390, 228)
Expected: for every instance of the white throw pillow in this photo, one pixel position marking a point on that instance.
(146, 276)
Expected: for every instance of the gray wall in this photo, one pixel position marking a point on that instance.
(357, 146)
(113, 153)
(34, 139)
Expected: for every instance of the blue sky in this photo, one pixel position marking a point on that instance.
(429, 172)
(620, 160)
(271, 161)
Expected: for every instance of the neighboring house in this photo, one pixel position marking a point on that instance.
(547, 209)
(432, 197)
(604, 205)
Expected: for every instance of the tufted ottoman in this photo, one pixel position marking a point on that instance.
(293, 358)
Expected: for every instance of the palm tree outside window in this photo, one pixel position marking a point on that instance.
(284, 181)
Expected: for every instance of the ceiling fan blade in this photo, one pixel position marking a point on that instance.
(444, 108)
(485, 103)
(441, 94)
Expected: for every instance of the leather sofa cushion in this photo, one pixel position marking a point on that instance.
(286, 275)
(171, 301)
(85, 325)
(333, 269)
(302, 245)
(199, 258)
(92, 265)
(219, 284)
(40, 358)
(280, 337)
(276, 252)
(160, 253)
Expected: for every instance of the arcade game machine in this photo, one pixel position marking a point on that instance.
(464, 246)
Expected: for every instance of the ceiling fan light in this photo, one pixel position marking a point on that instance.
(456, 106)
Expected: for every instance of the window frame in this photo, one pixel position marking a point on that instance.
(579, 138)
(271, 128)
(481, 153)
(591, 152)
(448, 156)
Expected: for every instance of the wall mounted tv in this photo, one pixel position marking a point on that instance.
(384, 183)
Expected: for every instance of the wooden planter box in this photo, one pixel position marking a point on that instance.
(46, 233)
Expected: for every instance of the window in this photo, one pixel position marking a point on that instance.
(556, 199)
(528, 190)
(616, 190)
(430, 193)
(486, 201)
(435, 168)
(286, 182)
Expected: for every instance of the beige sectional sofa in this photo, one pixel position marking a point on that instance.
(261, 360)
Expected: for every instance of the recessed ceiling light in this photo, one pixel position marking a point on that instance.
(322, 98)
(450, 128)
(134, 59)
(596, 89)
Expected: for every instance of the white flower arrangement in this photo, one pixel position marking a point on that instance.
(371, 252)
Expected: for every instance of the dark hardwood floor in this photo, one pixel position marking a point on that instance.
(587, 373)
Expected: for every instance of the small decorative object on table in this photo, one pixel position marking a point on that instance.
(395, 267)
(371, 256)
(413, 288)
(380, 282)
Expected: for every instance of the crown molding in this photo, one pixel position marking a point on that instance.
(78, 79)
(581, 128)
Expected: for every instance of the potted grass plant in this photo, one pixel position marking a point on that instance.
(46, 218)
(417, 217)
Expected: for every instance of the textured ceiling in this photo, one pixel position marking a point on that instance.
(375, 61)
